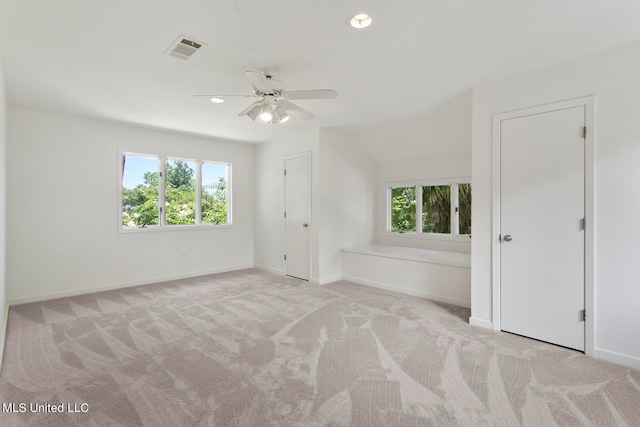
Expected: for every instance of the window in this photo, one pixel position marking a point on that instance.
(403, 209)
(180, 192)
(214, 193)
(464, 211)
(140, 191)
(161, 192)
(437, 209)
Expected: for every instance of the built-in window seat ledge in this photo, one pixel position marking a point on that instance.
(438, 275)
(455, 259)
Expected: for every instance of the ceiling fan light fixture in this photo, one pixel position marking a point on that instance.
(282, 115)
(266, 113)
(360, 20)
(274, 103)
(254, 112)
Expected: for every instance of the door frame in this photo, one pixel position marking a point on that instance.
(588, 102)
(306, 154)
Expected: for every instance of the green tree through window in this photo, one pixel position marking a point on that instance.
(464, 201)
(214, 195)
(180, 192)
(141, 191)
(438, 209)
(403, 209)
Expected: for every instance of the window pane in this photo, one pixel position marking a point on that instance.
(214, 193)
(464, 203)
(139, 191)
(436, 209)
(180, 192)
(403, 209)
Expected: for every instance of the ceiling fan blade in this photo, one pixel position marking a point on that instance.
(293, 110)
(249, 108)
(312, 94)
(226, 96)
(259, 81)
(276, 85)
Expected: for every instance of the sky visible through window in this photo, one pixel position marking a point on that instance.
(211, 174)
(136, 166)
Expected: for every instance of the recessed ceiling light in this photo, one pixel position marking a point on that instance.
(360, 20)
(217, 100)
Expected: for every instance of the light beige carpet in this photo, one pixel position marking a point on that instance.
(250, 348)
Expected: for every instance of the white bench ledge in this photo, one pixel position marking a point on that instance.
(455, 259)
(437, 275)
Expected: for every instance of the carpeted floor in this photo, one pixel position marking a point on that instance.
(249, 348)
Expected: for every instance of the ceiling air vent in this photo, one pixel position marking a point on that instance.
(183, 48)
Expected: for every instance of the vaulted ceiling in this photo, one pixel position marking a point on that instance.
(107, 59)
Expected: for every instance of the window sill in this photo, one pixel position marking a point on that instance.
(430, 236)
(154, 228)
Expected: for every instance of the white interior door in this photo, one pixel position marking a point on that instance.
(297, 216)
(542, 238)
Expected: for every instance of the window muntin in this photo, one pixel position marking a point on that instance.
(156, 191)
(403, 209)
(436, 209)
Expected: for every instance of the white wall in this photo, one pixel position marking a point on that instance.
(611, 76)
(437, 146)
(342, 179)
(4, 307)
(442, 131)
(269, 199)
(62, 184)
(347, 180)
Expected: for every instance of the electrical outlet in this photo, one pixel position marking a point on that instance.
(183, 254)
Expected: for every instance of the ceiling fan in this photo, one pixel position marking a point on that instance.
(274, 105)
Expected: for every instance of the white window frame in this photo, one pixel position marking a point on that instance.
(162, 225)
(454, 215)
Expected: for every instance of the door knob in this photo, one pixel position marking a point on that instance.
(305, 225)
(507, 237)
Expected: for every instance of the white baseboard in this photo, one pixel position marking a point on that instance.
(330, 280)
(474, 321)
(269, 269)
(406, 291)
(312, 280)
(617, 358)
(83, 291)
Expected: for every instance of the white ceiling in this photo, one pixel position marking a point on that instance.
(105, 59)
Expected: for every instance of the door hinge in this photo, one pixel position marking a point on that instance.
(583, 224)
(583, 315)
(584, 131)
(285, 257)
(285, 172)
(285, 215)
